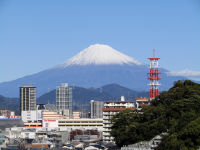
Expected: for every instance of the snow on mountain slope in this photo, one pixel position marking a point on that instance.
(99, 54)
(95, 66)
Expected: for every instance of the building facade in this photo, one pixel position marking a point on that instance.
(27, 98)
(142, 102)
(64, 99)
(28, 107)
(6, 113)
(96, 109)
(111, 108)
(81, 123)
(40, 108)
(77, 114)
(29, 116)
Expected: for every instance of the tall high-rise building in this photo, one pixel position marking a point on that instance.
(96, 109)
(64, 99)
(27, 98)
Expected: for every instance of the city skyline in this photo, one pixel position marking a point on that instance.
(39, 35)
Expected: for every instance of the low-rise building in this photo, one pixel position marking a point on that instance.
(76, 114)
(33, 124)
(7, 113)
(50, 114)
(81, 123)
(29, 116)
(50, 118)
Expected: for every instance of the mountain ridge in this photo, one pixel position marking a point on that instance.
(131, 75)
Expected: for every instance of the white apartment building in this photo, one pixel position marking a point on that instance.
(111, 108)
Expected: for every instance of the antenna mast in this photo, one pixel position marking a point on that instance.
(154, 76)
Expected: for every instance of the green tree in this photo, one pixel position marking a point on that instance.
(176, 112)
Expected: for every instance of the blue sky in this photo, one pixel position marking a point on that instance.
(37, 35)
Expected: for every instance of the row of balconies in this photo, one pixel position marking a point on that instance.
(107, 126)
(106, 133)
(106, 121)
(109, 113)
(106, 129)
(79, 125)
(119, 104)
(107, 138)
(88, 122)
(83, 124)
(107, 117)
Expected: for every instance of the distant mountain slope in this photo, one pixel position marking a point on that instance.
(82, 96)
(9, 104)
(95, 66)
(118, 90)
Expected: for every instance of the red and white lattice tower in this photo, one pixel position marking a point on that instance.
(154, 76)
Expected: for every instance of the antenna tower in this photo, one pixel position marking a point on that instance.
(153, 76)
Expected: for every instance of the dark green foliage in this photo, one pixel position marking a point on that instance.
(176, 112)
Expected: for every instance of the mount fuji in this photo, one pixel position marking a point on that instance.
(95, 66)
(99, 54)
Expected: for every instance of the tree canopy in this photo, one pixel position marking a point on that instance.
(176, 112)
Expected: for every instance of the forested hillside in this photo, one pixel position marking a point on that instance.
(176, 112)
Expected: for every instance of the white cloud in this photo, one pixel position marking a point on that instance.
(185, 73)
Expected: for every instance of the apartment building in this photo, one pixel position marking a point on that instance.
(111, 108)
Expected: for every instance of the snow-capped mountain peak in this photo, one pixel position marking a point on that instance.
(99, 54)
